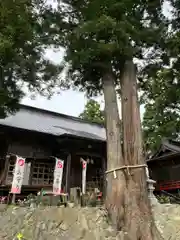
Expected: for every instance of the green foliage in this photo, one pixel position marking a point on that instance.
(162, 90)
(93, 112)
(100, 35)
(26, 29)
(162, 110)
(163, 199)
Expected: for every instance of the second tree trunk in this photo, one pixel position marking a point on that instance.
(115, 186)
(138, 221)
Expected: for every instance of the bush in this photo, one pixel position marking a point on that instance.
(163, 199)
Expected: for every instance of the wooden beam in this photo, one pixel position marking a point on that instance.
(89, 154)
(68, 171)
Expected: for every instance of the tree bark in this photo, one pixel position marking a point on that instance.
(115, 186)
(138, 220)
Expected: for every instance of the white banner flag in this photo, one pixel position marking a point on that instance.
(58, 174)
(18, 175)
(84, 170)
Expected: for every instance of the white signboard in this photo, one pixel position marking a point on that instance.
(58, 174)
(18, 175)
(84, 170)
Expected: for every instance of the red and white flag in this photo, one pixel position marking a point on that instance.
(18, 175)
(58, 174)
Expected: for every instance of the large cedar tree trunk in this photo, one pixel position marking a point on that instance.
(115, 186)
(138, 221)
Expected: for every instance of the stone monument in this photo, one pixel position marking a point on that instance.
(150, 186)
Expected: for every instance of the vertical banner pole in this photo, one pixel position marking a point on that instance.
(18, 176)
(58, 174)
(13, 198)
(84, 170)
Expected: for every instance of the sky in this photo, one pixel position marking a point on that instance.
(67, 102)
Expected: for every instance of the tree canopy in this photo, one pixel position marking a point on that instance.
(26, 31)
(93, 112)
(161, 90)
(101, 35)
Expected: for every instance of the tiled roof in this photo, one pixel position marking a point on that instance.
(171, 146)
(48, 122)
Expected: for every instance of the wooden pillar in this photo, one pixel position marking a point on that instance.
(5, 172)
(68, 171)
(104, 167)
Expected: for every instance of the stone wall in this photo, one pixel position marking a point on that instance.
(73, 223)
(56, 223)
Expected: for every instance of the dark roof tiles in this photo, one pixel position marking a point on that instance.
(43, 121)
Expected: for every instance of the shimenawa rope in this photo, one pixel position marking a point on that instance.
(125, 167)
